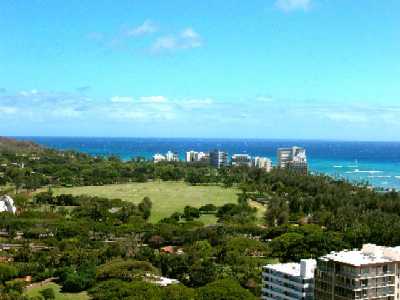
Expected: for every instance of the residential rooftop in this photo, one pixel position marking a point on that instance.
(369, 254)
(304, 269)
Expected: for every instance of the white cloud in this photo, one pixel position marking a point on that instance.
(195, 103)
(165, 43)
(348, 117)
(121, 99)
(190, 38)
(28, 93)
(186, 39)
(154, 99)
(146, 28)
(293, 5)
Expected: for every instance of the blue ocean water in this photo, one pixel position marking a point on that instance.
(377, 163)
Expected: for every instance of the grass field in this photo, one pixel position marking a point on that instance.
(33, 292)
(167, 197)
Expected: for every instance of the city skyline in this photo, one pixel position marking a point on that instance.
(301, 69)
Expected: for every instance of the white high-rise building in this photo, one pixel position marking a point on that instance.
(293, 158)
(241, 160)
(290, 281)
(192, 156)
(263, 163)
(172, 156)
(218, 158)
(158, 158)
(370, 273)
(204, 156)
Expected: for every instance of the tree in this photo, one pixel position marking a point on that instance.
(226, 289)
(117, 289)
(208, 209)
(178, 292)
(127, 270)
(7, 272)
(145, 207)
(190, 213)
(277, 212)
(48, 294)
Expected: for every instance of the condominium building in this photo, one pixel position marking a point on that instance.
(241, 160)
(158, 158)
(370, 273)
(172, 156)
(204, 157)
(218, 158)
(192, 156)
(263, 163)
(290, 281)
(293, 158)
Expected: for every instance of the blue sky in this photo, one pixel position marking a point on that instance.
(312, 69)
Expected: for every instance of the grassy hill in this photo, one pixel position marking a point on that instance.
(14, 146)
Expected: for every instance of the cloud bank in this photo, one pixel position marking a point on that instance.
(258, 116)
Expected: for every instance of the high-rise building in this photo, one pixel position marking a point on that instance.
(370, 273)
(293, 158)
(218, 159)
(204, 157)
(290, 281)
(172, 156)
(263, 163)
(192, 156)
(241, 160)
(158, 158)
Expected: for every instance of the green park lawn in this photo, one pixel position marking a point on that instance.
(35, 291)
(167, 197)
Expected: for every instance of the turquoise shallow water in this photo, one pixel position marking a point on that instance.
(377, 163)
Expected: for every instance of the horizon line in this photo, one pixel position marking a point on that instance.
(206, 138)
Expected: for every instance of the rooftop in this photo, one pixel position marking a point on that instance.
(304, 269)
(369, 254)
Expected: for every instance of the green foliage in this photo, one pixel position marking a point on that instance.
(117, 289)
(48, 294)
(145, 207)
(178, 292)
(7, 272)
(226, 289)
(127, 270)
(190, 213)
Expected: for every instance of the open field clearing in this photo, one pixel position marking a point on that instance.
(167, 197)
(35, 291)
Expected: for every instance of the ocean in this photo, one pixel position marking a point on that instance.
(377, 163)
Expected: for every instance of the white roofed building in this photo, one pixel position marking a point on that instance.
(289, 281)
(241, 160)
(370, 273)
(7, 204)
(172, 156)
(158, 158)
(263, 163)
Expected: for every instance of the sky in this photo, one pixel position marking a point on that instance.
(304, 69)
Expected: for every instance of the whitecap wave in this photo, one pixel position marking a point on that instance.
(367, 171)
